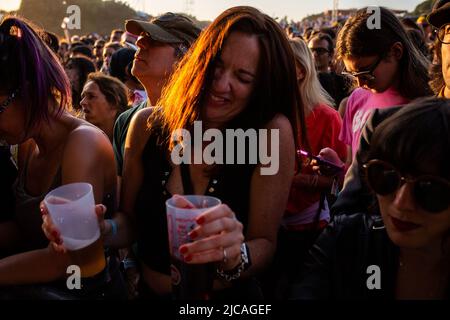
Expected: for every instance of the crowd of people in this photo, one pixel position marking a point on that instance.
(362, 119)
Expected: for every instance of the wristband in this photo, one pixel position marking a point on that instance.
(113, 225)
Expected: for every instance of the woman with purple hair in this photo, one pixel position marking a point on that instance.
(55, 148)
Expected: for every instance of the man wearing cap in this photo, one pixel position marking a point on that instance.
(161, 44)
(355, 196)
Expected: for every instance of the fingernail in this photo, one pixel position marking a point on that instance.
(59, 241)
(188, 258)
(193, 234)
(55, 234)
(42, 211)
(200, 220)
(183, 250)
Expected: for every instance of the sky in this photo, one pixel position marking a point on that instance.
(209, 9)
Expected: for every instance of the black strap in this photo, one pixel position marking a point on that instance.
(319, 210)
(186, 179)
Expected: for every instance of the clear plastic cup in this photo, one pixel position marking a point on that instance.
(189, 281)
(72, 209)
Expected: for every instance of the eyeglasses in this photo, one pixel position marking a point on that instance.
(443, 34)
(319, 51)
(366, 75)
(431, 193)
(4, 105)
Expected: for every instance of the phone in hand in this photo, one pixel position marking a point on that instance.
(329, 167)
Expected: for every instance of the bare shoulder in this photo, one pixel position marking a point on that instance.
(89, 142)
(281, 122)
(88, 135)
(141, 118)
(138, 131)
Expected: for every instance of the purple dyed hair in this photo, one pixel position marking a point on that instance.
(27, 63)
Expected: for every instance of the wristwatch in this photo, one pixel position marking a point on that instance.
(235, 273)
(245, 256)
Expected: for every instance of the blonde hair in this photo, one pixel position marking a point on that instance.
(311, 91)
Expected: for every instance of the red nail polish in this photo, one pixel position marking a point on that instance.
(188, 258)
(200, 220)
(183, 250)
(42, 211)
(55, 234)
(193, 234)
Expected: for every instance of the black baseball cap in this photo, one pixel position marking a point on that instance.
(440, 14)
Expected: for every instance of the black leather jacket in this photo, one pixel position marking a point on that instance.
(355, 195)
(337, 264)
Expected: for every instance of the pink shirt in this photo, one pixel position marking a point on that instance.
(359, 107)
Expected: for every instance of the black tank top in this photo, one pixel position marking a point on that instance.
(231, 184)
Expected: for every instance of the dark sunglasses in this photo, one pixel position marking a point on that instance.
(366, 75)
(319, 51)
(431, 193)
(4, 105)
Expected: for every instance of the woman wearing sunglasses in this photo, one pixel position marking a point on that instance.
(403, 253)
(384, 64)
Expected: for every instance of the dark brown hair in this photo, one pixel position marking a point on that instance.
(275, 89)
(356, 39)
(27, 64)
(416, 139)
(114, 91)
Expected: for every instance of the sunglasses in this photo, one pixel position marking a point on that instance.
(366, 75)
(431, 193)
(4, 105)
(319, 51)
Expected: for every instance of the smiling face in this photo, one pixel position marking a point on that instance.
(234, 78)
(96, 108)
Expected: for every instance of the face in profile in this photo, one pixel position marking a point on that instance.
(107, 53)
(153, 60)
(234, 78)
(96, 108)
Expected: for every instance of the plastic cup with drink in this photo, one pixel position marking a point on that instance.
(72, 209)
(189, 281)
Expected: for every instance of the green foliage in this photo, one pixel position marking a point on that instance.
(96, 15)
(423, 8)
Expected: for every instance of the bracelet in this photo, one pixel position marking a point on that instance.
(113, 225)
(234, 273)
